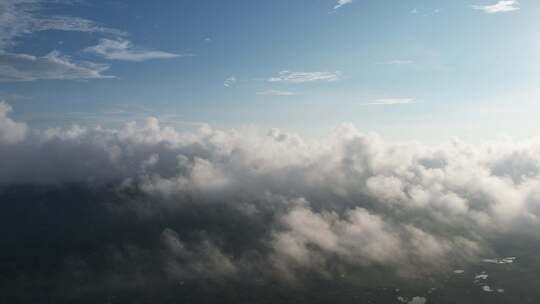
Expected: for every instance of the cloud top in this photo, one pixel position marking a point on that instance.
(11, 132)
(346, 189)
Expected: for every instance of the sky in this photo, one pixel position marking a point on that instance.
(320, 151)
(408, 70)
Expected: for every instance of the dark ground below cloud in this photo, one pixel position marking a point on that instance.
(77, 244)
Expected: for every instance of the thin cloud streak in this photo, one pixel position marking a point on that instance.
(276, 93)
(396, 62)
(124, 50)
(502, 6)
(23, 67)
(302, 77)
(390, 102)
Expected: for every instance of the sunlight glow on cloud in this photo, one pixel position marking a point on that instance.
(341, 3)
(11, 132)
(501, 6)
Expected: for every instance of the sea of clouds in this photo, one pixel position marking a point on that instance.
(245, 201)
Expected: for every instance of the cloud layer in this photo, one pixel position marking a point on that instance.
(229, 204)
(399, 201)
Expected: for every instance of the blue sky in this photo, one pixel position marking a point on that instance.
(414, 70)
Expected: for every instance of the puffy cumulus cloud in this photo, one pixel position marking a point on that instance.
(363, 238)
(206, 259)
(243, 202)
(11, 132)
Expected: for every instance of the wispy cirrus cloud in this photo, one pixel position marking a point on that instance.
(390, 101)
(22, 17)
(23, 67)
(341, 3)
(501, 6)
(19, 18)
(121, 49)
(276, 93)
(301, 77)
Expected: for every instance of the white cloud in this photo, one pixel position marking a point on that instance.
(349, 197)
(23, 17)
(22, 67)
(390, 101)
(341, 3)
(426, 12)
(11, 132)
(122, 49)
(486, 288)
(230, 81)
(499, 7)
(352, 237)
(276, 93)
(417, 300)
(301, 77)
(20, 18)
